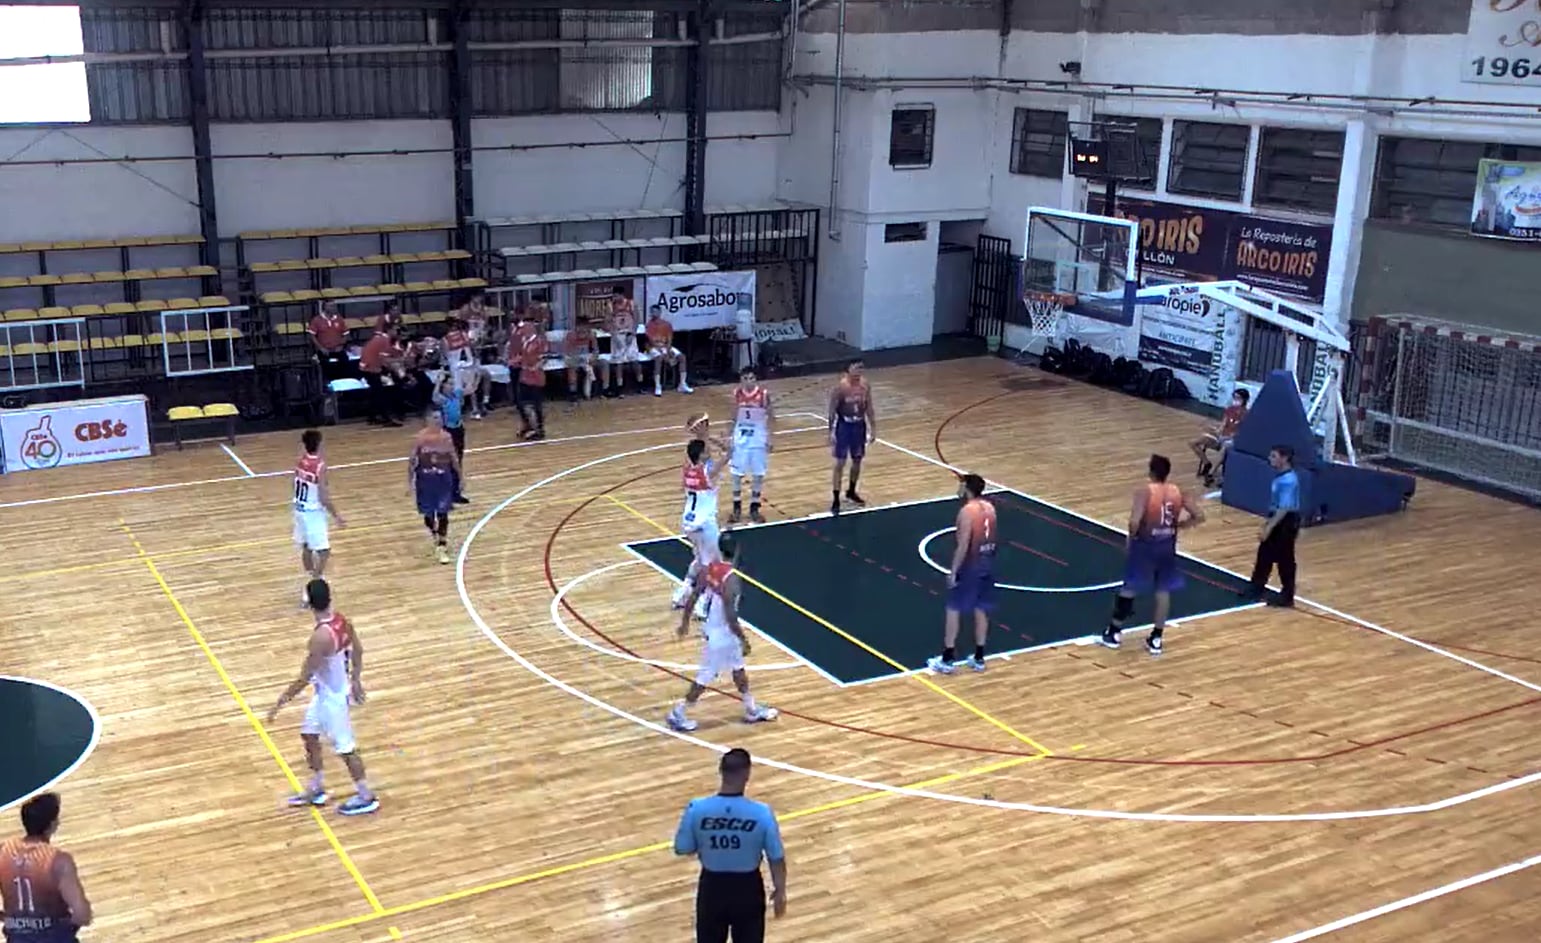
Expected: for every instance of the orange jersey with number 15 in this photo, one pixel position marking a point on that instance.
(1163, 503)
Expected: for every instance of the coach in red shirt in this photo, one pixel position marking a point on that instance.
(328, 331)
(377, 362)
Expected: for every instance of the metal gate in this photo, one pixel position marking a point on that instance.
(990, 294)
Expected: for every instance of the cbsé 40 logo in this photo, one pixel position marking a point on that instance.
(41, 448)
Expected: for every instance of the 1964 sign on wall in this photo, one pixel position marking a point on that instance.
(1503, 42)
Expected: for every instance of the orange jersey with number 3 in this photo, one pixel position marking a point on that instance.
(980, 524)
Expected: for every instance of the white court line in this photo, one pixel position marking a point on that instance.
(237, 459)
(532, 668)
(1412, 901)
(1213, 495)
(1082, 641)
(96, 735)
(926, 541)
(171, 486)
(1364, 623)
(565, 629)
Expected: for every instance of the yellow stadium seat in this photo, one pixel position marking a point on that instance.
(104, 343)
(456, 254)
(358, 324)
(472, 283)
(213, 301)
(377, 259)
(76, 278)
(62, 347)
(434, 256)
(418, 286)
(119, 307)
(263, 267)
(404, 257)
(254, 235)
(184, 413)
(444, 283)
(220, 411)
(21, 314)
(312, 232)
(13, 281)
(151, 305)
(36, 246)
(4, 351)
(305, 294)
(138, 274)
(334, 292)
(131, 340)
(392, 289)
(276, 297)
(226, 334)
(108, 276)
(155, 340)
(433, 317)
(181, 304)
(128, 241)
(29, 350)
(36, 280)
(67, 244)
(411, 318)
(96, 244)
(202, 271)
(364, 291)
(6, 248)
(174, 271)
(289, 327)
(366, 229)
(86, 311)
(324, 263)
(195, 336)
(291, 265)
(53, 312)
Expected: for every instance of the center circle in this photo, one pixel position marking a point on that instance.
(925, 554)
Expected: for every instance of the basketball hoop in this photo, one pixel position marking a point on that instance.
(1044, 310)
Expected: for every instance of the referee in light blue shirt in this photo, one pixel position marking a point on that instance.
(451, 404)
(729, 834)
(1276, 544)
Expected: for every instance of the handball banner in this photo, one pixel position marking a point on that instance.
(700, 300)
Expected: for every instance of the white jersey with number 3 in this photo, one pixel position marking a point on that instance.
(751, 424)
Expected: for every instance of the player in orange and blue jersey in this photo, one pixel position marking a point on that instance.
(40, 893)
(1160, 511)
(971, 581)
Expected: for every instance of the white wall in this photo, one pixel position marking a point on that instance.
(97, 200)
(899, 306)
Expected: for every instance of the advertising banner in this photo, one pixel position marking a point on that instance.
(1196, 244)
(56, 434)
(1508, 201)
(701, 300)
(1503, 43)
(1198, 339)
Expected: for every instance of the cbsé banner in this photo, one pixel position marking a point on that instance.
(1192, 243)
(56, 434)
(701, 300)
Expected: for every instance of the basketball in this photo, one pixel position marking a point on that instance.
(697, 423)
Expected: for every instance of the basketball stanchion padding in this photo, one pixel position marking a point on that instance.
(1277, 417)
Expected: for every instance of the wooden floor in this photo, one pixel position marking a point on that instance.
(1325, 768)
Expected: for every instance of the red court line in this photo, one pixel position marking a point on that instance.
(1037, 553)
(1354, 747)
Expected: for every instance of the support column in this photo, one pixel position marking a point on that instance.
(203, 152)
(460, 120)
(696, 67)
(1354, 190)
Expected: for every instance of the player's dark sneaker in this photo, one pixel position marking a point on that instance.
(854, 498)
(1111, 639)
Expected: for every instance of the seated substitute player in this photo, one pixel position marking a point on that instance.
(1160, 511)
(1218, 438)
(725, 643)
(579, 348)
(661, 350)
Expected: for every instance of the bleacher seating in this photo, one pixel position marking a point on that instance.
(370, 291)
(628, 271)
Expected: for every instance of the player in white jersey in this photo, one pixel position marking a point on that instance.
(754, 422)
(334, 669)
(312, 505)
(726, 645)
(699, 517)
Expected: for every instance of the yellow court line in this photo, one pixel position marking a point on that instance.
(932, 685)
(600, 860)
(256, 724)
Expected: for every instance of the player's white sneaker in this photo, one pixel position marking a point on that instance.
(977, 664)
(678, 721)
(302, 799)
(686, 388)
(760, 715)
(936, 664)
(701, 607)
(358, 805)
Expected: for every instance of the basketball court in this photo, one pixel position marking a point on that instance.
(1334, 771)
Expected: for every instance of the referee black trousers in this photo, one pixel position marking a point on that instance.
(1278, 550)
(730, 905)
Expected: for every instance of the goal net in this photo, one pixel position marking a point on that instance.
(1454, 399)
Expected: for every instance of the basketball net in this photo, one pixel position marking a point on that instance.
(1044, 310)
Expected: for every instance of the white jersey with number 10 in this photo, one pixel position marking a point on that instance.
(307, 483)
